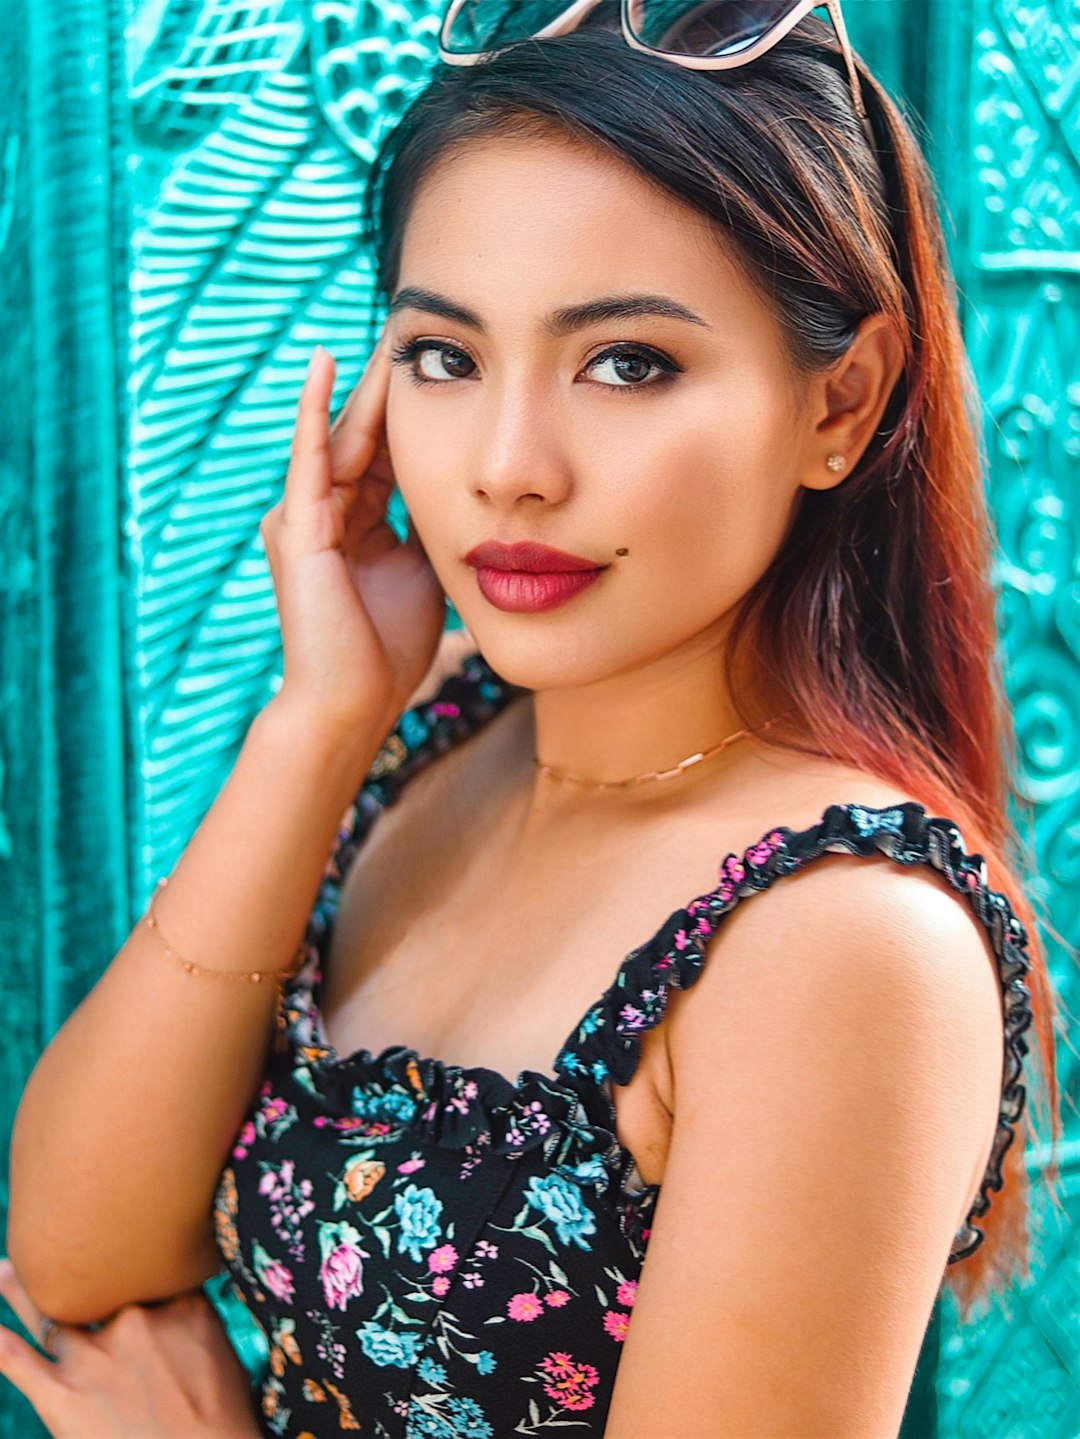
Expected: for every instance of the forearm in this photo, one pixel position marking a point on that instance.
(127, 1118)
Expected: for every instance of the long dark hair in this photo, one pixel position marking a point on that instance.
(875, 624)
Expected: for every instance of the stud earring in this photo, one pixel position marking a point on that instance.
(835, 463)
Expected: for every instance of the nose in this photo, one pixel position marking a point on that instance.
(519, 449)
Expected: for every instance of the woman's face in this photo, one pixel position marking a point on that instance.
(680, 440)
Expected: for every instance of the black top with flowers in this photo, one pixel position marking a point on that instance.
(435, 1251)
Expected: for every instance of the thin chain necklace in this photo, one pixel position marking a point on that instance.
(680, 768)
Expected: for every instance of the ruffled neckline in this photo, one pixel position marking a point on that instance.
(571, 1112)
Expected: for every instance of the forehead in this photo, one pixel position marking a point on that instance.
(561, 218)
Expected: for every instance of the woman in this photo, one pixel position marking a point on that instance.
(692, 329)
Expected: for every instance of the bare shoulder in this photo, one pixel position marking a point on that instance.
(836, 1073)
(866, 918)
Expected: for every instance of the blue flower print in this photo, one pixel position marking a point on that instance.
(560, 1200)
(485, 1362)
(383, 1346)
(589, 1171)
(394, 1105)
(413, 730)
(431, 1372)
(420, 1423)
(867, 823)
(591, 1022)
(469, 1420)
(419, 1211)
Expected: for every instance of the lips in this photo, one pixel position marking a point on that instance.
(528, 557)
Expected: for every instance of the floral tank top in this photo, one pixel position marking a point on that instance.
(437, 1252)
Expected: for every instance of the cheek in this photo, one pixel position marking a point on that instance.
(418, 449)
(713, 483)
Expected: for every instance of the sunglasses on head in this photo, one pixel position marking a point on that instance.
(700, 34)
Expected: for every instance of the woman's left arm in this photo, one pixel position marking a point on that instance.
(837, 1070)
(152, 1371)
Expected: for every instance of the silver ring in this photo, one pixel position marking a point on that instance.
(48, 1331)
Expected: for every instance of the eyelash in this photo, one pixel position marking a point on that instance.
(406, 353)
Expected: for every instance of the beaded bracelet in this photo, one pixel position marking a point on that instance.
(254, 976)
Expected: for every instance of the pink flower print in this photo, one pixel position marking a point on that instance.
(627, 1292)
(440, 1285)
(245, 1139)
(735, 867)
(410, 1165)
(681, 939)
(486, 1250)
(725, 889)
(515, 1136)
(538, 1117)
(472, 1281)
(445, 707)
(568, 1382)
(631, 1016)
(268, 1183)
(557, 1298)
(442, 1259)
(760, 852)
(275, 1275)
(470, 1089)
(524, 1307)
(342, 1269)
(616, 1324)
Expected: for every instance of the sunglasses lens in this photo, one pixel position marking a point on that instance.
(482, 25)
(713, 27)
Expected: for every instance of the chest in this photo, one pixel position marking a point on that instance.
(470, 955)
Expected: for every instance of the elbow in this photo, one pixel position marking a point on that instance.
(56, 1287)
(90, 1289)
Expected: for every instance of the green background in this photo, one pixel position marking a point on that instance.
(178, 228)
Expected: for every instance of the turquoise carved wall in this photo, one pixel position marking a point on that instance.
(178, 224)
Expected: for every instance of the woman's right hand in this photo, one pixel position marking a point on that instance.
(361, 611)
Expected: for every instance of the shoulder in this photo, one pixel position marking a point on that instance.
(836, 1076)
(854, 972)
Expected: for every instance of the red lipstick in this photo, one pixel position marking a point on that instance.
(527, 576)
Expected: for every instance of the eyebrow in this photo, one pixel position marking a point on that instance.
(560, 322)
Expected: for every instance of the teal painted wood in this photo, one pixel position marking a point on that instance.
(1004, 96)
(64, 858)
(149, 425)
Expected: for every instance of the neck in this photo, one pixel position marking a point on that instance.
(627, 724)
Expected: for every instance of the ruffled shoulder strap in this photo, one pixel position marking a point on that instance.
(605, 1047)
(466, 700)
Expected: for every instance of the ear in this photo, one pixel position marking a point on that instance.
(846, 402)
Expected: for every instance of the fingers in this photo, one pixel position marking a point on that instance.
(358, 433)
(30, 1372)
(13, 1290)
(308, 477)
(20, 1363)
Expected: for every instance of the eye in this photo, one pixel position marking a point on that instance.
(630, 364)
(412, 351)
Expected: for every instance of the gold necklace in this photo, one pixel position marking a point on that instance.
(680, 768)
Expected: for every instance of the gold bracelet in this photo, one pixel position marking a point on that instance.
(253, 976)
